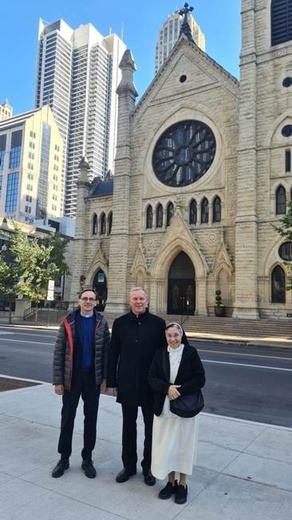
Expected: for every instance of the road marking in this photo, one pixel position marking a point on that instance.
(246, 365)
(244, 354)
(33, 334)
(24, 341)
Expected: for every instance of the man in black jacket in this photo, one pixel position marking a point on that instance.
(79, 369)
(135, 338)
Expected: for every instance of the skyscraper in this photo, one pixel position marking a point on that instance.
(169, 33)
(77, 76)
(31, 150)
(6, 110)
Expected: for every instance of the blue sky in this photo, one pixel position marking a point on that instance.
(138, 21)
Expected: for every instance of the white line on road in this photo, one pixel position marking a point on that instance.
(244, 354)
(33, 333)
(24, 341)
(246, 365)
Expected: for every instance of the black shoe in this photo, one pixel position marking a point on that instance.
(149, 479)
(181, 494)
(168, 490)
(124, 475)
(60, 467)
(88, 468)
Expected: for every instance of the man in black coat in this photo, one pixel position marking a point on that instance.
(135, 338)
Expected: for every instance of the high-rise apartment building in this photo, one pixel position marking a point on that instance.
(6, 111)
(31, 182)
(169, 33)
(77, 76)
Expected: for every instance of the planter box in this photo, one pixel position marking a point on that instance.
(220, 311)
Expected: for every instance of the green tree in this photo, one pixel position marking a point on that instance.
(285, 231)
(45, 262)
(32, 262)
(11, 270)
(58, 245)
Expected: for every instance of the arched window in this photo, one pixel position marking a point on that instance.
(281, 21)
(204, 211)
(109, 222)
(94, 224)
(217, 209)
(149, 217)
(278, 284)
(193, 212)
(169, 213)
(159, 216)
(280, 201)
(285, 251)
(102, 224)
(288, 161)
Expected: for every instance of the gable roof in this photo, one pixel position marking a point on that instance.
(184, 41)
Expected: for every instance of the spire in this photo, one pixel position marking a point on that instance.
(128, 67)
(84, 170)
(185, 27)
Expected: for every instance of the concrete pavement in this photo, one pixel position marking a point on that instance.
(243, 470)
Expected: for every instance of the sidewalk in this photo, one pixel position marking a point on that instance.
(243, 471)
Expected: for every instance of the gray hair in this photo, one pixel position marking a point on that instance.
(134, 289)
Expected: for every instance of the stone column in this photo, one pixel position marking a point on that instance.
(77, 266)
(246, 223)
(118, 287)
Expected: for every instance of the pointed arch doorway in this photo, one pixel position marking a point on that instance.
(100, 287)
(181, 286)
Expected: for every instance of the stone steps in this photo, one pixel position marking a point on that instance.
(211, 325)
(205, 325)
(262, 328)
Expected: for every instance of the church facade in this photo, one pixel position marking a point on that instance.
(202, 174)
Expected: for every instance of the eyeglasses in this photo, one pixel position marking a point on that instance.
(84, 299)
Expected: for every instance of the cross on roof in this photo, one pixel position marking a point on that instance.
(185, 10)
(185, 27)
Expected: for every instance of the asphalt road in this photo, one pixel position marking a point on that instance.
(252, 383)
(243, 382)
(26, 353)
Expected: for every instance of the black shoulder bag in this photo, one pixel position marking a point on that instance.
(187, 405)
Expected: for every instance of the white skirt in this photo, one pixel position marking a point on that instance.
(174, 443)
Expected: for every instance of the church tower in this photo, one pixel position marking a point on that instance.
(119, 245)
(264, 152)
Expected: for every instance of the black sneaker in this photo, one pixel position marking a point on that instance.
(88, 468)
(181, 494)
(168, 490)
(60, 467)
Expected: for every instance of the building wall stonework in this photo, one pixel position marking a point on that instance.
(237, 253)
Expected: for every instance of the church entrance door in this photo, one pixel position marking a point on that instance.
(181, 286)
(100, 287)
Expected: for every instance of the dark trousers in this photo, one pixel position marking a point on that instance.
(129, 436)
(85, 387)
